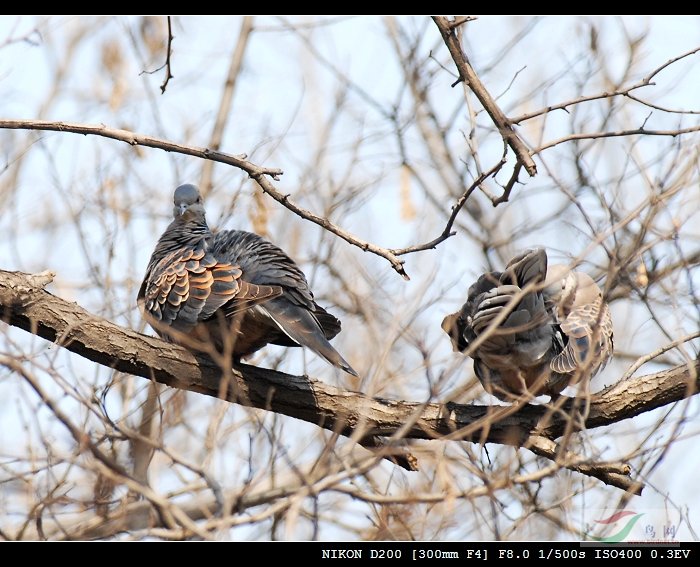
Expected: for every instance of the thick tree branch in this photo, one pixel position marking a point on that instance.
(25, 304)
(467, 74)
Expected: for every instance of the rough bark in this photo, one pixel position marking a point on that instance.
(25, 303)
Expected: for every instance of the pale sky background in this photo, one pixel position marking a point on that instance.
(277, 114)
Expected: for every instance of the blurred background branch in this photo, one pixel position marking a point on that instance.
(380, 152)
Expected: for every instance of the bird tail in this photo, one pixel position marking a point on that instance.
(303, 328)
(529, 266)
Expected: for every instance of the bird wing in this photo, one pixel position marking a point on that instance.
(458, 325)
(295, 313)
(589, 344)
(265, 264)
(588, 327)
(530, 266)
(190, 285)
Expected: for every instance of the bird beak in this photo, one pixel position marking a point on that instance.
(183, 208)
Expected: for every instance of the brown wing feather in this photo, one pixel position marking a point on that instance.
(249, 295)
(189, 285)
(589, 333)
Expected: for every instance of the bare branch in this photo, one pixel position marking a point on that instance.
(461, 20)
(323, 222)
(508, 187)
(619, 133)
(169, 49)
(33, 38)
(645, 82)
(661, 108)
(134, 139)
(166, 65)
(447, 232)
(467, 74)
(258, 173)
(614, 474)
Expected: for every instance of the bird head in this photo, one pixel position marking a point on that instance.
(559, 288)
(188, 203)
(564, 288)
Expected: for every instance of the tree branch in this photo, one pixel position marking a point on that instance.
(644, 82)
(323, 222)
(166, 65)
(260, 174)
(134, 139)
(468, 75)
(169, 49)
(596, 135)
(25, 304)
(447, 232)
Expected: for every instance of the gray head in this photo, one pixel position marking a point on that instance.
(188, 203)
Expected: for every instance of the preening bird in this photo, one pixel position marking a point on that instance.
(530, 329)
(233, 290)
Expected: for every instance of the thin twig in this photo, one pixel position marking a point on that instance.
(448, 232)
(168, 69)
(323, 222)
(642, 360)
(508, 187)
(661, 108)
(644, 82)
(619, 133)
(166, 65)
(458, 21)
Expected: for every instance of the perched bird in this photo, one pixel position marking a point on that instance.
(233, 290)
(530, 329)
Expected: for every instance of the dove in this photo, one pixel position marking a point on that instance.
(233, 290)
(531, 329)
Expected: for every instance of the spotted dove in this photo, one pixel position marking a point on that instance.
(533, 330)
(233, 290)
